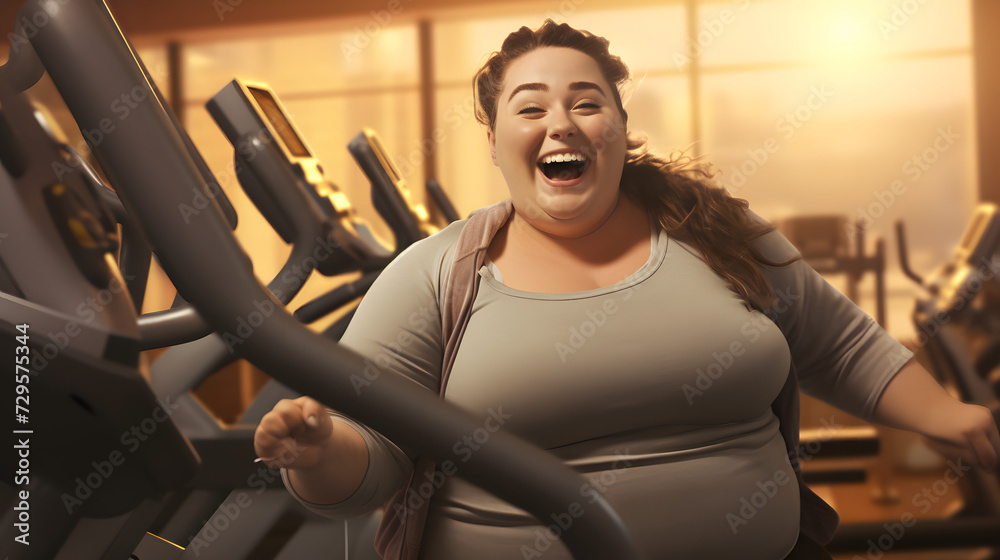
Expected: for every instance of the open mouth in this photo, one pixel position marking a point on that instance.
(563, 167)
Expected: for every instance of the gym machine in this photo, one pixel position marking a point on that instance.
(91, 391)
(228, 490)
(947, 320)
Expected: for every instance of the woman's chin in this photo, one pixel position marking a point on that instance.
(562, 212)
(564, 205)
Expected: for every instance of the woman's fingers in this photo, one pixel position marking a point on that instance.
(986, 441)
(291, 428)
(274, 427)
(317, 424)
(994, 436)
(971, 436)
(982, 438)
(952, 450)
(986, 454)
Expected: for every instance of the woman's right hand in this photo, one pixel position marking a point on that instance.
(294, 435)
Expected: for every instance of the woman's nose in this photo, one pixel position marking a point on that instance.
(561, 126)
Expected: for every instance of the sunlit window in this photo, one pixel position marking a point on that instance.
(333, 85)
(802, 107)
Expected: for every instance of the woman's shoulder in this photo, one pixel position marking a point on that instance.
(438, 251)
(441, 242)
(431, 252)
(772, 245)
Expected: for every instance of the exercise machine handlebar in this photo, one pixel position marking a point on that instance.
(154, 173)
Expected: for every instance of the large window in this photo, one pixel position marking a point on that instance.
(331, 94)
(863, 109)
(858, 108)
(333, 85)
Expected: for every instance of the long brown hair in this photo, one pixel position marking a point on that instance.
(677, 191)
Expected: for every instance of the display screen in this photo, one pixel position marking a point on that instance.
(383, 158)
(974, 232)
(279, 122)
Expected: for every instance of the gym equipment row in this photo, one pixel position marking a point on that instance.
(87, 394)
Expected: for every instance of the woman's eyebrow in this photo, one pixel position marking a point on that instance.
(531, 86)
(576, 86)
(538, 86)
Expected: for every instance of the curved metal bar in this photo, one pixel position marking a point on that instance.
(134, 262)
(904, 255)
(154, 175)
(183, 323)
(171, 327)
(23, 68)
(335, 299)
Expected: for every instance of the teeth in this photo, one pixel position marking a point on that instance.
(560, 158)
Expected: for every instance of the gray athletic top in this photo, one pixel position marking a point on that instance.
(657, 389)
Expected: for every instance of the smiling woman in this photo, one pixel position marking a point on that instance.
(556, 91)
(554, 113)
(547, 131)
(611, 283)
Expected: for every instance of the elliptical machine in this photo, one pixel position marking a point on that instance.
(952, 322)
(91, 393)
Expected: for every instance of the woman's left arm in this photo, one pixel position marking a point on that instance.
(913, 400)
(844, 358)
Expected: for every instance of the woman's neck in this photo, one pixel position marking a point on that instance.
(626, 226)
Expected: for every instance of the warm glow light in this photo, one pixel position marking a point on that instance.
(849, 37)
(846, 30)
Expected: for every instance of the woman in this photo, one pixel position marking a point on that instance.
(637, 322)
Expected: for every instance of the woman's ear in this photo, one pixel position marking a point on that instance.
(493, 146)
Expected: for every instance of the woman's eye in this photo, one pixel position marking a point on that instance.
(528, 110)
(588, 106)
